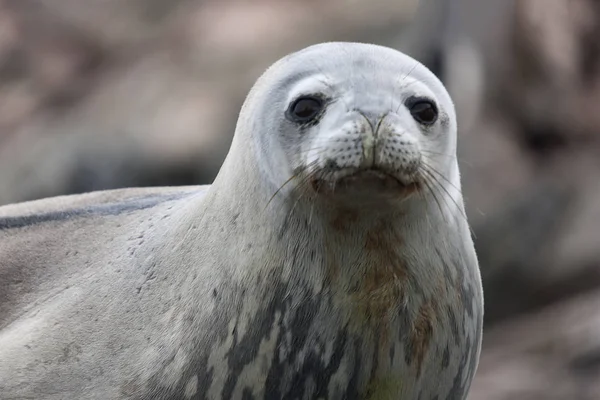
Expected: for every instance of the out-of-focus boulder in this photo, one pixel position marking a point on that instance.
(553, 354)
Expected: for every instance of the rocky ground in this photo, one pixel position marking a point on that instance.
(115, 93)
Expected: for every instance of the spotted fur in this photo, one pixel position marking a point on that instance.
(291, 277)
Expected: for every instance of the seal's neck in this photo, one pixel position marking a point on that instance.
(305, 239)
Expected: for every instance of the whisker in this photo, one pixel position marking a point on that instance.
(408, 84)
(438, 185)
(401, 80)
(424, 199)
(438, 173)
(437, 154)
(333, 182)
(303, 186)
(319, 150)
(430, 185)
(303, 191)
(460, 209)
(280, 188)
(290, 179)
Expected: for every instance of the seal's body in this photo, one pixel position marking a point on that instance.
(329, 259)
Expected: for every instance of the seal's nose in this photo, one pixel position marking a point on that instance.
(369, 136)
(373, 119)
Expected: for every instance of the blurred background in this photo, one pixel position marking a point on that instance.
(99, 94)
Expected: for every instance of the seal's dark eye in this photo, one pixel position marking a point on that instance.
(424, 111)
(305, 109)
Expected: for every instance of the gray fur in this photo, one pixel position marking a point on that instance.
(260, 286)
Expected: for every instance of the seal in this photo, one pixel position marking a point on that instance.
(330, 258)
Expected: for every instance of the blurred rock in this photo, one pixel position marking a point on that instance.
(102, 94)
(551, 355)
(542, 134)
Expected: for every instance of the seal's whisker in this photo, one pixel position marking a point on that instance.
(437, 185)
(430, 186)
(320, 151)
(461, 210)
(310, 170)
(280, 188)
(400, 81)
(438, 173)
(287, 182)
(302, 192)
(437, 154)
(431, 170)
(315, 174)
(421, 195)
(327, 177)
(333, 186)
(427, 217)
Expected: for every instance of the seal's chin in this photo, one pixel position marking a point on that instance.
(366, 185)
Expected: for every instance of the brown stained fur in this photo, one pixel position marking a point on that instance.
(383, 284)
(421, 333)
(344, 219)
(380, 289)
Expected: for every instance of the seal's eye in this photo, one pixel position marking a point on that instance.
(305, 109)
(423, 111)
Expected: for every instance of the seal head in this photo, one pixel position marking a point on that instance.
(364, 125)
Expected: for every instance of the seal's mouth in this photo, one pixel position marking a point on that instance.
(365, 182)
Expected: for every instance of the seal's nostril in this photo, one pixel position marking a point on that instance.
(369, 117)
(378, 127)
(373, 119)
(370, 139)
